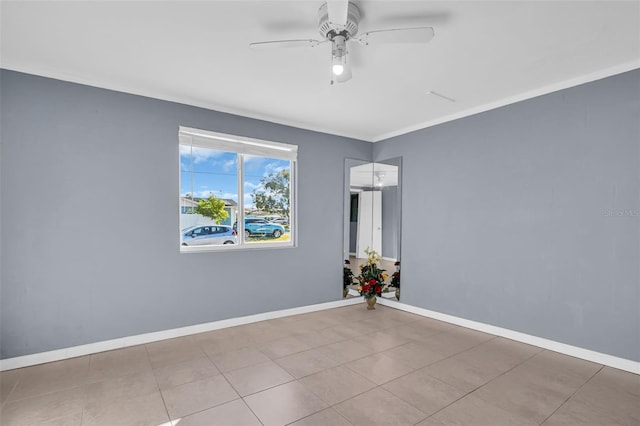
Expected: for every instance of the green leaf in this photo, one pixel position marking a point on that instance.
(212, 208)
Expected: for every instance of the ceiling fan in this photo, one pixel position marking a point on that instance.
(338, 24)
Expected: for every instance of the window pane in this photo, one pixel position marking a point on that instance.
(267, 199)
(211, 179)
(208, 195)
(185, 159)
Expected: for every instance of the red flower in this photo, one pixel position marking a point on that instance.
(346, 262)
(372, 281)
(397, 264)
(366, 288)
(378, 290)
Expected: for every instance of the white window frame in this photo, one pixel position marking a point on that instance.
(241, 145)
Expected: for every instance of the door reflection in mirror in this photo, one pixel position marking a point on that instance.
(372, 216)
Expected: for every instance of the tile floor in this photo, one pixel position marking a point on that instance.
(344, 366)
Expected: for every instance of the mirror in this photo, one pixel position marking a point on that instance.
(372, 221)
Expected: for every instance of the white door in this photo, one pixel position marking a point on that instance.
(369, 222)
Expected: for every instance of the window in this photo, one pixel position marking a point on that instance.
(235, 192)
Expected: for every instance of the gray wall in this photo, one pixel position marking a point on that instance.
(78, 162)
(505, 216)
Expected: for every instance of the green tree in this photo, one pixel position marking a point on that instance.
(272, 196)
(213, 208)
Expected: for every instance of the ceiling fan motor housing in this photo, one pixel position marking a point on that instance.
(339, 46)
(328, 30)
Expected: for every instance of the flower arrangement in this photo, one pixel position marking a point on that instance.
(371, 277)
(347, 277)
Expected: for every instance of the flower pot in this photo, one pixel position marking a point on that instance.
(371, 302)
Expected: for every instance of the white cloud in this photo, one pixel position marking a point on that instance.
(229, 165)
(248, 158)
(249, 186)
(227, 195)
(248, 201)
(205, 192)
(274, 168)
(198, 155)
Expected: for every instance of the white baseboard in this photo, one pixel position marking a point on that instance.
(140, 339)
(574, 351)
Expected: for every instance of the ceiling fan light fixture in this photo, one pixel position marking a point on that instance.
(337, 65)
(338, 54)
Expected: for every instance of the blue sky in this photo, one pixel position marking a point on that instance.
(206, 171)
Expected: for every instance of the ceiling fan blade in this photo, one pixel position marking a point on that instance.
(337, 11)
(417, 19)
(397, 35)
(277, 44)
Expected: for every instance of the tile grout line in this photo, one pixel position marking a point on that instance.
(251, 409)
(571, 396)
(206, 355)
(251, 346)
(381, 386)
(84, 406)
(411, 340)
(403, 400)
(146, 350)
(351, 397)
(86, 395)
(298, 379)
(393, 347)
(53, 391)
(439, 380)
(15, 385)
(313, 414)
(481, 386)
(261, 390)
(435, 362)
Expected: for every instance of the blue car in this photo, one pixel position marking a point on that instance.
(258, 226)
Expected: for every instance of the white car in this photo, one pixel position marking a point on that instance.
(209, 235)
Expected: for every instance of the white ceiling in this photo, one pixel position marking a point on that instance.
(373, 175)
(484, 55)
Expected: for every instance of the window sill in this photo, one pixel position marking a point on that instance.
(236, 247)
